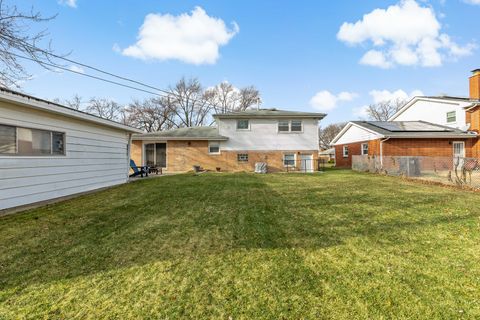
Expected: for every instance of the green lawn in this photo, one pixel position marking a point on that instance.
(340, 245)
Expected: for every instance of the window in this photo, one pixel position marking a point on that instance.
(243, 124)
(296, 126)
(364, 149)
(8, 140)
(214, 147)
(283, 126)
(30, 142)
(345, 151)
(242, 157)
(451, 116)
(289, 160)
(290, 126)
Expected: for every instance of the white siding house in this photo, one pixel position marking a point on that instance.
(448, 111)
(48, 151)
(263, 134)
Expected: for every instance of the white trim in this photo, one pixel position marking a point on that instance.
(18, 98)
(348, 126)
(463, 147)
(361, 148)
(345, 148)
(416, 99)
(212, 142)
(294, 159)
(247, 129)
(289, 126)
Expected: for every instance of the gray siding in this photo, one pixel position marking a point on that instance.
(96, 157)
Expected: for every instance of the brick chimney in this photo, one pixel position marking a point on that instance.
(475, 85)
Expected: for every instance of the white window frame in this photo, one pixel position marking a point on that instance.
(51, 154)
(345, 154)
(294, 160)
(289, 131)
(210, 143)
(362, 149)
(455, 120)
(241, 129)
(462, 143)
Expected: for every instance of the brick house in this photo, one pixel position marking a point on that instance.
(426, 126)
(279, 138)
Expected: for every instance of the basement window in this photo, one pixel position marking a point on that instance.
(214, 148)
(345, 151)
(451, 117)
(242, 157)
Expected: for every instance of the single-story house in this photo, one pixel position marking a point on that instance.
(400, 138)
(282, 139)
(50, 151)
(328, 154)
(435, 126)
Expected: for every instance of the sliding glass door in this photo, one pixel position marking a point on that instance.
(156, 155)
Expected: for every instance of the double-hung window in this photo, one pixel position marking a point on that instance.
(243, 124)
(364, 149)
(289, 160)
(345, 151)
(290, 126)
(31, 142)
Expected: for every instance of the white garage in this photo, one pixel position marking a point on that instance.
(49, 151)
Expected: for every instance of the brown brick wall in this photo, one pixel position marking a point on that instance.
(183, 155)
(406, 147)
(475, 86)
(423, 147)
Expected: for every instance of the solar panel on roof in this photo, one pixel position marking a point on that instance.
(399, 126)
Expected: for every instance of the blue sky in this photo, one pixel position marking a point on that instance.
(292, 51)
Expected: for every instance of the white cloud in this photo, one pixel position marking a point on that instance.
(326, 101)
(76, 69)
(403, 34)
(385, 95)
(472, 1)
(193, 38)
(70, 3)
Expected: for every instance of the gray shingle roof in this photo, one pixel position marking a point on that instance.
(413, 129)
(194, 133)
(270, 113)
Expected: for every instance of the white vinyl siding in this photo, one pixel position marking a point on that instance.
(96, 156)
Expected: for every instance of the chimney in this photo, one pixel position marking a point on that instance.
(475, 85)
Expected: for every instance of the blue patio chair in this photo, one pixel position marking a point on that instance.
(138, 170)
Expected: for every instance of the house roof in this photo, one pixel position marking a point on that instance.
(327, 152)
(19, 98)
(194, 133)
(413, 129)
(269, 113)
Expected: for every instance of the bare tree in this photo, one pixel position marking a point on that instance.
(382, 111)
(107, 109)
(224, 97)
(327, 134)
(150, 115)
(16, 41)
(75, 102)
(187, 101)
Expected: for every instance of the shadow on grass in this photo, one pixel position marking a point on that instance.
(187, 217)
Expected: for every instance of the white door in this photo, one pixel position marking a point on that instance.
(306, 162)
(458, 153)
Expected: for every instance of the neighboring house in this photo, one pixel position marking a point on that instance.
(426, 126)
(328, 154)
(49, 151)
(280, 138)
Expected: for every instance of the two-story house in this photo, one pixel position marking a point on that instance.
(440, 126)
(282, 139)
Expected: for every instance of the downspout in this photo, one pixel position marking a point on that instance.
(129, 153)
(381, 151)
